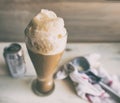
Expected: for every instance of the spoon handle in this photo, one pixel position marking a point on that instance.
(110, 91)
(97, 79)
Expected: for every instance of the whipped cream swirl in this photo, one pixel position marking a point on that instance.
(46, 34)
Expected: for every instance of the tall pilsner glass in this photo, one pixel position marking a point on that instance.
(44, 63)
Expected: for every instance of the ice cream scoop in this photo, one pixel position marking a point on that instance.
(82, 64)
(46, 34)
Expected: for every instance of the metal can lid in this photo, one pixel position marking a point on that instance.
(14, 47)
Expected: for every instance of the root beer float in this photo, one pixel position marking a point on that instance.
(45, 38)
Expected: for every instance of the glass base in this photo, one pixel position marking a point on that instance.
(34, 88)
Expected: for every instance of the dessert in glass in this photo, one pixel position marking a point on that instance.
(45, 38)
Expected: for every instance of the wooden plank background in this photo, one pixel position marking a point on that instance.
(85, 20)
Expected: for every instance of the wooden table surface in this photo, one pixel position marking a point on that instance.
(18, 90)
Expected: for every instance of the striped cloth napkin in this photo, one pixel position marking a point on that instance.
(84, 86)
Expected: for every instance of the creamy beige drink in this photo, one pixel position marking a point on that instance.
(45, 38)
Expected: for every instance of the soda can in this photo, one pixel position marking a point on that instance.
(14, 59)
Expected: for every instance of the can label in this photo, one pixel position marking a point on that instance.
(15, 60)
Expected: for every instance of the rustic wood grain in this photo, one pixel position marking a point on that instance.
(85, 21)
(18, 90)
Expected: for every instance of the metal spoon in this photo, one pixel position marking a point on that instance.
(84, 66)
